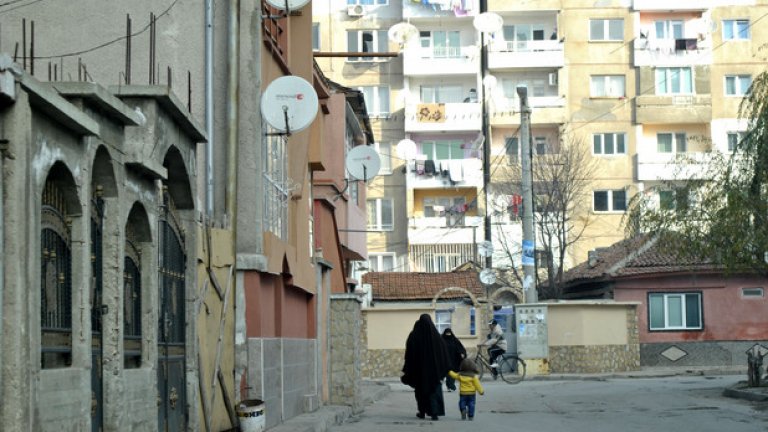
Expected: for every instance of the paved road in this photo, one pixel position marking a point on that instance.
(677, 404)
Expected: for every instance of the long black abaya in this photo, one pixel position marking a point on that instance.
(426, 363)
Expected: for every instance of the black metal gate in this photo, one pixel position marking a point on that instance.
(97, 311)
(172, 403)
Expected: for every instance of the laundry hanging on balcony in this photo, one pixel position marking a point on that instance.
(456, 171)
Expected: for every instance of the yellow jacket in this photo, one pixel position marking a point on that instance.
(468, 385)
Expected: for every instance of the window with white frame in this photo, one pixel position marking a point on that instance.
(671, 142)
(451, 207)
(752, 292)
(609, 143)
(367, 41)
(607, 86)
(609, 200)
(384, 149)
(442, 319)
(737, 29)
(606, 29)
(674, 311)
(441, 93)
(737, 85)
(677, 199)
(512, 149)
(381, 262)
(734, 138)
(517, 36)
(674, 80)
(442, 262)
(367, 2)
(440, 43)
(376, 100)
(443, 149)
(315, 36)
(538, 84)
(669, 29)
(541, 145)
(381, 216)
(276, 185)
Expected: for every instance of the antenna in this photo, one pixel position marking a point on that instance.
(289, 104)
(363, 163)
(406, 149)
(402, 33)
(286, 6)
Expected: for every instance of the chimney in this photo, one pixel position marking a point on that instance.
(592, 258)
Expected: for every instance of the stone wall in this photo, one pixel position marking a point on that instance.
(699, 353)
(346, 351)
(383, 363)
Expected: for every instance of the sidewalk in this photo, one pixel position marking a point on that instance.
(373, 390)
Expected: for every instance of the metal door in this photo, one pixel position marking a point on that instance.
(172, 402)
(98, 309)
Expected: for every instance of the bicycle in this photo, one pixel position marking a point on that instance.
(511, 368)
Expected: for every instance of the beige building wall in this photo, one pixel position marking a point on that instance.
(577, 324)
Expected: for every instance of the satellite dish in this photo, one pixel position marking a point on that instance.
(289, 104)
(485, 249)
(490, 81)
(402, 33)
(406, 149)
(363, 162)
(488, 22)
(287, 5)
(488, 276)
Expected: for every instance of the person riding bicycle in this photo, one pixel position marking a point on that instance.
(496, 343)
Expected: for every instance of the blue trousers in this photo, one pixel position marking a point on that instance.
(468, 402)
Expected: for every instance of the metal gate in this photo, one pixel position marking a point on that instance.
(171, 378)
(98, 309)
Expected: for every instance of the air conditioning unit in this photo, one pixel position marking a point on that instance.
(355, 10)
(553, 78)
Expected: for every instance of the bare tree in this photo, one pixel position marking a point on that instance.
(561, 187)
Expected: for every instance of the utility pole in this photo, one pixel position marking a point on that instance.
(528, 255)
(484, 131)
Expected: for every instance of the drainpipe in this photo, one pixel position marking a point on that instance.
(209, 108)
(233, 64)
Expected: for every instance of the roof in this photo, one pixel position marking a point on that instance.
(407, 286)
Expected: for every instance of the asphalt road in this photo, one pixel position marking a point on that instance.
(677, 404)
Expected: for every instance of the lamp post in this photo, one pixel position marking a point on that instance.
(528, 260)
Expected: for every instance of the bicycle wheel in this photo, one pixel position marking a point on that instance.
(480, 368)
(511, 369)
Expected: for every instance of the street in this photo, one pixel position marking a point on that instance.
(689, 403)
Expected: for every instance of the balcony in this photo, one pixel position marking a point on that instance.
(673, 52)
(446, 173)
(442, 117)
(544, 110)
(427, 230)
(525, 54)
(685, 5)
(671, 166)
(440, 9)
(418, 61)
(673, 109)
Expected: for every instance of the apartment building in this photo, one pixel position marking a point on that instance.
(649, 88)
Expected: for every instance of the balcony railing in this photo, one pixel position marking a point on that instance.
(672, 166)
(526, 54)
(441, 174)
(434, 9)
(673, 52)
(442, 117)
(418, 61)
(681, 5)
(673, 108)
(427, 230)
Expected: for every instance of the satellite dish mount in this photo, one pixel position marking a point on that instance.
(289, 104)
(285, 7)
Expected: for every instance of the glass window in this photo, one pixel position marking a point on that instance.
(376, 99)
(674, 80)
(315, 36)
(737, 85)
(440, 44)
(607, 85)
(367, 41)
(384, 149)
(736, 29)
(606, 29)
(756, 292)
(512, 148)
(609, 143)
(441, 94)
(671, 142)
(609, 200)
(277, 185)
(734, 138)
(380, 214)
(442, 319)
(443, 149)
(674, 311)
(381, 262)
(669, 29)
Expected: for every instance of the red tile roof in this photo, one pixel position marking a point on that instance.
(391, 286)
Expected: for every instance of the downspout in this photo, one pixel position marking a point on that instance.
(209, 108)
(233, 64)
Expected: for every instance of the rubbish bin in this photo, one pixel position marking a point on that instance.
(251, 414)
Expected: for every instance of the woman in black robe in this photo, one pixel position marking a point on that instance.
(426, 364)
(456, 353)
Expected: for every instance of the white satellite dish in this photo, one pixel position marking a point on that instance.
(490, 81)
(488, 22)
(406, 149)
(363, 163)
(403, 32)
(289, 104)
(488, 276)
(485, 249)
(287, 5)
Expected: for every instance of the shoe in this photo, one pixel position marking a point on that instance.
(464, 414)
(420, 415)
(494, 365)
(471, 418)
(495, 376)
(435, 418)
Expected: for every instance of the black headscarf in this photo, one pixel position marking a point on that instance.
(456, 350)
(426, 359)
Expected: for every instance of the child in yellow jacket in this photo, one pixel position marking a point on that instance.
(468, 386)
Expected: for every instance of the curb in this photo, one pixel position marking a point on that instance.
(741, 391)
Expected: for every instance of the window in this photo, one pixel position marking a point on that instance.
(518, 35)
(756, 292)
(606, 29)
(737, 85)
(440, 44)
(443, 149)
(442, 319)
(607, 86)
(376, 99)
(385, 156)
(276, 185)
(381, 262)
(380, 214)
(609, 200)
(669, 29)
(443, 262)
(367, 2)
(609, 143)
(678, 199)
(315, 36)
(678, 311)
(674, 80)
(735, 29)
(671, 142)
(734, 138)
(367, 41)
(441, 94)
(452, 208)
(512, 147)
